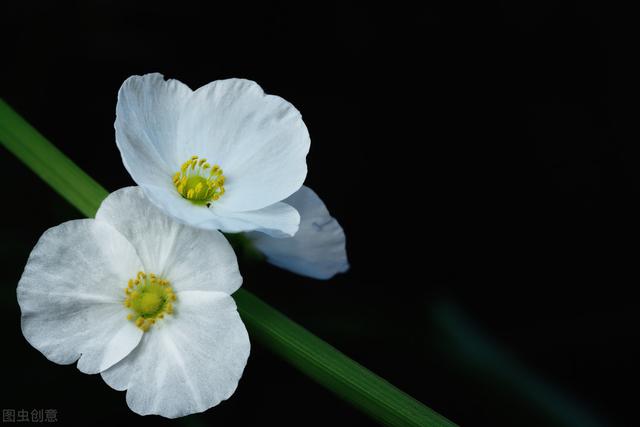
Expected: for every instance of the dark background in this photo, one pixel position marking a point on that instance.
(482, 159)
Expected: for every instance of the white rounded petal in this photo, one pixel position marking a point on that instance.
(317, 250)
(71, 295)
(259, 141)
(189, 362)
(190, 258)
(278, 220)
(182, 210)
(147, 115)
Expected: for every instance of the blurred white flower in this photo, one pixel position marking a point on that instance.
(222, 157)
(318, 248)
(141, 299)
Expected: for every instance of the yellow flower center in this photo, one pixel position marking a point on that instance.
(199, 182)
(149, 298)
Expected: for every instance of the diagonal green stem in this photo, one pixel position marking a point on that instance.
(331, 368)
(311, 355)
(49, 163)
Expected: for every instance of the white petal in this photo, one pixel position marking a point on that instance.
(182, 210)
(259, 141)
(190, 258)
(189, 362)
(146, 127)
(279, 220)
(317, 250)
(71, 295)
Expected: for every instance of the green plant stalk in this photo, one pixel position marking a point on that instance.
(49, 163)
(308, 353)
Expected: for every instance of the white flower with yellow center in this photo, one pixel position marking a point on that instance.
(141, 299)
(317, 250)
(222, 157)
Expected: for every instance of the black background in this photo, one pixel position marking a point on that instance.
(483, 157)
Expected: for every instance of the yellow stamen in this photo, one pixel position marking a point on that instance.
(149, 298)
(194, 184)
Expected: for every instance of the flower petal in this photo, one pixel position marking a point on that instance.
(146, 126)
(190, 258)
(278, 220)
(189, 362)
(317, 250)
(182, 210)
(259, 140)
(71, 295)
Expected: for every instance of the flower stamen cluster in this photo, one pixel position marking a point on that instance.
(149, 298)
(199, 182)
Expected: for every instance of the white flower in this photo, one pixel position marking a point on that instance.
(222, 157)
(317, 250)
(141, 299)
